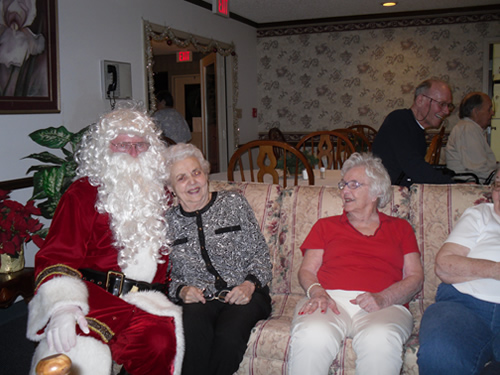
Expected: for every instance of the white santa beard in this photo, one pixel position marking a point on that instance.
(134, 196)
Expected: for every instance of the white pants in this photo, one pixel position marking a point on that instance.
(378, 337)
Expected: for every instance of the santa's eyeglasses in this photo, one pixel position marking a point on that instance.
(127, 146)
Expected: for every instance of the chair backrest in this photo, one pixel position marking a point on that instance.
(358, 140)
(327, 145)
(367, 130)
(434, 149)
(276, 135)
(265, 162)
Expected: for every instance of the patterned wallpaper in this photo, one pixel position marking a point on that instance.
(315, 80)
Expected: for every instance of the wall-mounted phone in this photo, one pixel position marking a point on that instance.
(116, 80)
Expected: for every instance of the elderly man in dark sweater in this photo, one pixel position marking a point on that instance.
(400, 142)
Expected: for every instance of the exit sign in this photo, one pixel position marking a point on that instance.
(221, 7)
(184, 56)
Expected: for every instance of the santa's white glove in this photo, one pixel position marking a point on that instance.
(61, 330)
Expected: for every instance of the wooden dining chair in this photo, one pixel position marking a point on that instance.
(258, 158)
(275, 134)
(434, 153)
(367, 130)
(331, 145)
(434, 150)
(360, 142)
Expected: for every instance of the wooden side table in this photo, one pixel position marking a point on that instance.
(13, 285)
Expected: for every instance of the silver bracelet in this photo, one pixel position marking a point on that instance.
(310, 287)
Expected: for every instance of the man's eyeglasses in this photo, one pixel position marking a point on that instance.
(353, 184)
(220, 295)
(127, 146)
(442, 105)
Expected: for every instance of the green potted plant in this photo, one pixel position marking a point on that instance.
(51, 180)
(17, 226)
(291, 161)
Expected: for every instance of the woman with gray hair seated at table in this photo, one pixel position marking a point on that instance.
(220, 265)
(359, 270)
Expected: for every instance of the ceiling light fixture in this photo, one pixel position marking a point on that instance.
(389, 4)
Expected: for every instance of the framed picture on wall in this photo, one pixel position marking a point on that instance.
(29, 66)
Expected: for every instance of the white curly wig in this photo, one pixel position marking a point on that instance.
(131, 190)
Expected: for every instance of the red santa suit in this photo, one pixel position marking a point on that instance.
(141, 329)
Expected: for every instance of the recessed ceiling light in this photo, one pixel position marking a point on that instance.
(389, 4)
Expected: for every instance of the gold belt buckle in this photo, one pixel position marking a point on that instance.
(119, 275)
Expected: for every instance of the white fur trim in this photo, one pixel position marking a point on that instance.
(86, 348)
(143, 267)
(59, 291)
(157, 303)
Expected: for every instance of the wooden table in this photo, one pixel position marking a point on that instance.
(15, 284)
(332, 178)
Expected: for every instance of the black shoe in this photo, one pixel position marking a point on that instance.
(123, 371)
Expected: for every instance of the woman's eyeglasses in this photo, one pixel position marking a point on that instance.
(220, 295)
(353, 184)
(127, 146)
(496, 185)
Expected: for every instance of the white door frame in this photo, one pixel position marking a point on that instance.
(487, 71)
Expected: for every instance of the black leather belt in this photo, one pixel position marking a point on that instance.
(116, 283)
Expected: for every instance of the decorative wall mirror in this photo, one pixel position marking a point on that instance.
(218, 62)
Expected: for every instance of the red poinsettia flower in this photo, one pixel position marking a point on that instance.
(17, 225)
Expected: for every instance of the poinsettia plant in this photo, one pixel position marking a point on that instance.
(17, 224)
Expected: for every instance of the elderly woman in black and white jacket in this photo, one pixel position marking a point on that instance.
(220, 265)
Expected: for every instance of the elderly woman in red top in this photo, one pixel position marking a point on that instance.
(358, 271)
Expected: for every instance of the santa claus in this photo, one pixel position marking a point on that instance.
(102, 272)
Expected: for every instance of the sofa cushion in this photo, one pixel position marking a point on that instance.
(434, 211)
(265, 200)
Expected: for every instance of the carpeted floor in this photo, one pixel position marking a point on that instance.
(15, 349)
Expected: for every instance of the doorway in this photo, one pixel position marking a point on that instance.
(491, 86)
(495, 96)
(187, 90)
(199, 87)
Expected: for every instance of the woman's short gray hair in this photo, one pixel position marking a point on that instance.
(380, 185)
(182, 151)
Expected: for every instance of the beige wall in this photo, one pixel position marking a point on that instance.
(324, 80)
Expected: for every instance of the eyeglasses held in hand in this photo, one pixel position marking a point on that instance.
(442, 105)
(220, 295)
(353, 184)
(127, 146)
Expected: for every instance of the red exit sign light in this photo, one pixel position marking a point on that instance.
(221, 7)
(184, 56)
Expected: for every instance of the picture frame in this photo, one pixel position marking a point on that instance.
(29, 71)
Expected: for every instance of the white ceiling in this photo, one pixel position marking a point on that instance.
(271, 11)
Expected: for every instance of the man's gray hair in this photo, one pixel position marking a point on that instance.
(424, 87)
(380, 182)
(469, 102)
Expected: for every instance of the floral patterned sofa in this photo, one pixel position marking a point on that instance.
(287, 215)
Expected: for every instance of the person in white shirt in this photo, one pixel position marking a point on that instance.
(460, 333)
(467, 149)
